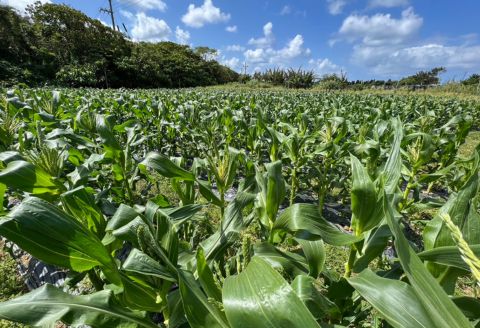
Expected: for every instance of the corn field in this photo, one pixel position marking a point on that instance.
(206, 208)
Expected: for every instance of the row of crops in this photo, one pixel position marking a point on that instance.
(227, 209)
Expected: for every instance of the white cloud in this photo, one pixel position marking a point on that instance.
(207, 13)
(182, 36)
(233, 62)
(231, 29)
(398, 60)
(21, 5)
(388, 3)
(235, 48)
(268, 38)
(381, 28)
(323, 66)
(278, 57)
(255, 56)
(104, 23)
(335, 7)
(145, 5)
(150, 29)
(286, 10)
(127, 14)
(293, 49)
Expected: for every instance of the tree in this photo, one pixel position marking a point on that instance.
(424, 78)
(61, 45)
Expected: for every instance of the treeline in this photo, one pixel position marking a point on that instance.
(55, 44)
(291, 78)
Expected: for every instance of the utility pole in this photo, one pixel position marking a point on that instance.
(110, 11)
(245, 66)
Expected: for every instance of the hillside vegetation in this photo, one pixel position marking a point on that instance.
(58, 45)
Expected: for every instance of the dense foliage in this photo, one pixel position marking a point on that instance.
(289, 78)
(217, 209)
(56, 44)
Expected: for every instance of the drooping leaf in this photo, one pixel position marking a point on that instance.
(48, 304)
(395, 300)
(375, 242)
(26, 177)
(318, 304)
(81, 205)
(306, 222)
(448, 255)
(314, 252)
(260, 297)
(291, 263)
(139, 263)
(55, 237)
(166, 167)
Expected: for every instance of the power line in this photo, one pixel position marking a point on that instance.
(110, 11)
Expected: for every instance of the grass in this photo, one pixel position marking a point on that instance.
(11, 284)
(473, 140)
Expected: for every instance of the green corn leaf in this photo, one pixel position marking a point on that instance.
(233, 222)
(259, 297)
(80, 204)
(275, 189)
(395, 300)
(470, 306)
(314, 252)
(26, 177)
(440, 308)
(448, 255)
(364, 199)
(305, 221)
(375, 242)
(205, 277)
(177, 316)
(3, 189)
(106, 133)
(47, 305)
(207, 192)
(393, 167)
(56, 238)
(288, 262)
(164, 166)
(139, 263)
(200, 312)
(318, 304)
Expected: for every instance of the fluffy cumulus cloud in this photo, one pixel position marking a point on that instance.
(235, 48)
(21, 5)
(233, 63)
(264, 54)
(381, 28)
(335, 7)
(255, 55)
(145, 5)
(182, 36)
(387, 60)
(323, 66)
(231, 29)
(150, 29)
(293, 49)
(207, 13)
(388, 3)
(267, 40)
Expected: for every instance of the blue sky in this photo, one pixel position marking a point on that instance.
(364, 38)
